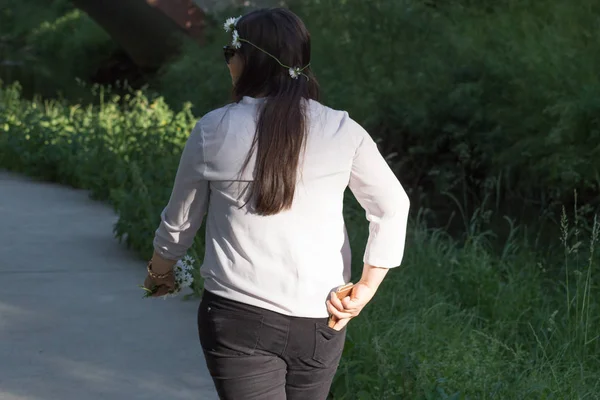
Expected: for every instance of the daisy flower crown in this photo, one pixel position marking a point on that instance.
(236, 42)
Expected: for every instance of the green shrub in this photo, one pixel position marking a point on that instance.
(19, 17)
(113, 150)
(464, 96)
(456, 321)
(46, 47)
(469, 97)
(474, 98)
(482, 98)
(497, 101)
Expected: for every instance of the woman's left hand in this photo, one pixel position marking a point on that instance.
(159, 287)
(350, 306)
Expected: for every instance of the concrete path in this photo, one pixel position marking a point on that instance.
(73, 324)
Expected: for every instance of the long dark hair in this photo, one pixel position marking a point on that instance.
(281, 128)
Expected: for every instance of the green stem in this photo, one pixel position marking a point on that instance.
(275, 58)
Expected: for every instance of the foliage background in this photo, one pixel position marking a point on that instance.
(487, 111)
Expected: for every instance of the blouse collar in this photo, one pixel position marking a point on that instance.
(252, 100)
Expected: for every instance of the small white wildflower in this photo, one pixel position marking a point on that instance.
(230, 24)
(183, 276)
(295, 72)
(235, 42)
(186, 279)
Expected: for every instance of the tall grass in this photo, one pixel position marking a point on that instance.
(458, 320)
(461, 93)
(114, 149)
(480, 101)
(467, 97)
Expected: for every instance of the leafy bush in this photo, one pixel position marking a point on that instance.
(47, 46)
(485, 98)
(473, 97)
(457, 321)
(113, 150)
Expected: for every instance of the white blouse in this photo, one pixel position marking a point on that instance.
(288, 262)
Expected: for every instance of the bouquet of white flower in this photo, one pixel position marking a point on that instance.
(183, 277)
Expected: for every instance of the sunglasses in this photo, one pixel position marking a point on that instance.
(228, 52)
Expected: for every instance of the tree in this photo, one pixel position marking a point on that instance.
(149, 31)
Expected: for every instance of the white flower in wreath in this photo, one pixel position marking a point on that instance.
(231, 23)
(295, 72)
(235, 42)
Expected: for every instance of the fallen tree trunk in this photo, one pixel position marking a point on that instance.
(150, 31)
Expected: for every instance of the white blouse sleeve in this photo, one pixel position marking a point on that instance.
(383, 198)
(182, 217)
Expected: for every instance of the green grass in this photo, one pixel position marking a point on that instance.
(458, 320)
(46, 46)
(479, 99)
(482, 102)
(465, 96)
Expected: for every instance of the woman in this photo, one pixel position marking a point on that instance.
(270, 171)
